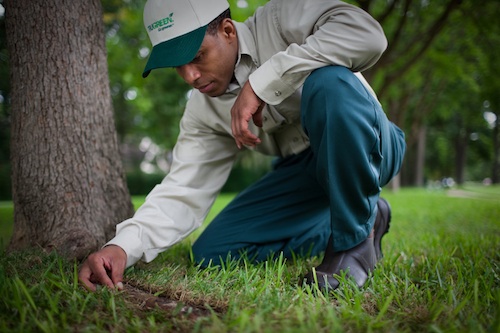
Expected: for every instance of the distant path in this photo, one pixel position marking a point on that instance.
(459, 193)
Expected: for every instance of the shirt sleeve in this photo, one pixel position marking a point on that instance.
(202, 161)
(317, 33)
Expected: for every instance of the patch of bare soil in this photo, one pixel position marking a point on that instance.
(146, 301)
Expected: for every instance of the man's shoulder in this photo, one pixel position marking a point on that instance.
(290, 19)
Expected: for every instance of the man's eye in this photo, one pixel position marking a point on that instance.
(197, 58)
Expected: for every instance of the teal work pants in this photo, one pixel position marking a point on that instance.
(330, 189)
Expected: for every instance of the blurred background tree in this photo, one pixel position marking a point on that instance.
(432, 81)
(436, 81)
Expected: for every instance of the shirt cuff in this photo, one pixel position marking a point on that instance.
(130, 243)
(268, 85)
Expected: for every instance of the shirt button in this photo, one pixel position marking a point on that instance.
(277, 93)
(295, 139)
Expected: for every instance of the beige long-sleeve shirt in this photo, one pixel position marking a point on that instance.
(278, 48)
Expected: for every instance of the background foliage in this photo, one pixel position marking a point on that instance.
(436, 81)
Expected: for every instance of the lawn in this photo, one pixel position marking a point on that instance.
(440, 273)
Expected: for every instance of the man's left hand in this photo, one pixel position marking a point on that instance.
(247, 106)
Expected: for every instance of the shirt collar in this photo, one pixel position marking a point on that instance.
(247, 56)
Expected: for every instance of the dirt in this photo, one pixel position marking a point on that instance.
(146, 301)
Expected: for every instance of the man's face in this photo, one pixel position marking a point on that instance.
(212, 69)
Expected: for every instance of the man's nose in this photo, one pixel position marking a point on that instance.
(189, 73)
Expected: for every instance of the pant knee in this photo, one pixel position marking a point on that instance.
(329, 73)
(331, 98)
(328, 79)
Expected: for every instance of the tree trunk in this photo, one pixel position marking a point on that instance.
(69, 189)
(461, 142)
(420, 165)
(495, 174)
(460, 159)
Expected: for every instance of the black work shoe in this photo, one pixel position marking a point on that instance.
(358, 262)
(381, 226)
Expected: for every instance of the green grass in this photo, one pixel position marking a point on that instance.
(6, 218)
(440, 273)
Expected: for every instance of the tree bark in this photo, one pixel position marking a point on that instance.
(460, 159)
(420, 165)
(69, 190)
(461, 143)
(495, 172)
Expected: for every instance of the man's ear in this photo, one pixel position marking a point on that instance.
(227, 28)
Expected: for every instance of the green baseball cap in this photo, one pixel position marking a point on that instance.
(177, 28)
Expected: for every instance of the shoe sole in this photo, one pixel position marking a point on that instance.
(381, 225)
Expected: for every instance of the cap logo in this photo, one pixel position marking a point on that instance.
(162, 24)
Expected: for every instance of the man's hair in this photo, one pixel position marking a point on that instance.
(214, 25)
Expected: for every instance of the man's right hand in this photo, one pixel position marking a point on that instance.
(104, 267)
(247, 106)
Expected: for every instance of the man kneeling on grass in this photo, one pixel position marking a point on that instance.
(287, 83)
